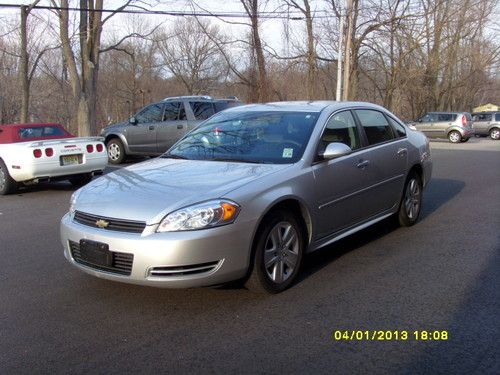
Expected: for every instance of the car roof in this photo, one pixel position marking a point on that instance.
(303, 106)
(31, 125)
(449, 112)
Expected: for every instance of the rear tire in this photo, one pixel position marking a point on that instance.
(454, 136)
(411, 202)
(81, 179)
(7, 184)
(278, 251)
(116, 151)
(495, 134)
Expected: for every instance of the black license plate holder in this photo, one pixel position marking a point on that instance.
(96, 253)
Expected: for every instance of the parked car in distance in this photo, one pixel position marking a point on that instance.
(156, 127)
(31, 153)
(487, 124)
(456, 126)
(247, 194)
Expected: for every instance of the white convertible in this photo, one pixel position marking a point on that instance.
(31, 153)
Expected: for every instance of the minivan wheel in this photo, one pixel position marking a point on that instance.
(409, 209)
(278, 252)
(116, 151)
(495, 134)
(454, 136)
(7, 184)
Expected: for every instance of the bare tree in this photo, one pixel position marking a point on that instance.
(190, 54)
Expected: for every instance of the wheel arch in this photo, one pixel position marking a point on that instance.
(121, 137)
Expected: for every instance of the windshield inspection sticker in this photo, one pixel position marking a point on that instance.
(287, 152)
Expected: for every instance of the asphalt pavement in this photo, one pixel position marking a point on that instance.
(443, 274)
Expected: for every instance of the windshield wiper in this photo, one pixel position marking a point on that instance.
(234, 160)
(172, 156)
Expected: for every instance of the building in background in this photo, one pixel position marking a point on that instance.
(486, 108)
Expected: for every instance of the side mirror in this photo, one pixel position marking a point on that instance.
(132, 120)
(335, 150)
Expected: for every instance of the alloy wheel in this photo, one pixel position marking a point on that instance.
(281, 252)
(495, 134)
(3, 179)
(455, 137)
(412, 199)
(114, 151)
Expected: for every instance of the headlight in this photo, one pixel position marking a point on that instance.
(72, 202)
(200, 216)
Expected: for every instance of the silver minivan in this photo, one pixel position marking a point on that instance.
(456, 126)
(487, 124)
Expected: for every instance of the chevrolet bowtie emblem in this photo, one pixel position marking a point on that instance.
(102, 223)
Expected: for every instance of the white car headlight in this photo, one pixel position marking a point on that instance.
(200, 216)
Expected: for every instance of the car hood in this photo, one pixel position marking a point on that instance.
(148, 191)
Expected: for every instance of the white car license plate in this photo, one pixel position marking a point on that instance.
(70, 159)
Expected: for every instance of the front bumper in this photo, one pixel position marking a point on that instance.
(227, 248)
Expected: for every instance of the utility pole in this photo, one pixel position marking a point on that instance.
(338, 94)
(23, 65)
(348, 48)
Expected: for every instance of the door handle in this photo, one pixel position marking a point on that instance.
(151, 127)
(363, 164)
(180, 126)
(402, 151)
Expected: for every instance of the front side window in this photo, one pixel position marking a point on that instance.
(483, 117)
(252, 137)
(152, 113)
(202, 110)
(376, 127)
(341, 128)
(429, 117)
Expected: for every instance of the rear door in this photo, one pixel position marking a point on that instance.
(481, 122)
(173, 126)
(385, 160)
(444, 121)
(141, 137)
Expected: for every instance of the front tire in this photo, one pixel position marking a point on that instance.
(454, 136)
(495, 134)
(116, 151)
(81, 179)
(7, 184)
(411, 203)
(278, 252)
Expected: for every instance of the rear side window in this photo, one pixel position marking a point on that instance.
(202, 110)
(376, 127)
(341, 128)
(172, 110)
(222, 105)
(152, 113)
(42, 131)
(446, 117)
(497, 117)
(399, 129)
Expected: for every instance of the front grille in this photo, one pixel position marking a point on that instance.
(192, 269)
(122, 262)
(113, 224)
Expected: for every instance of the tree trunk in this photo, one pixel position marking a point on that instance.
(23, 66)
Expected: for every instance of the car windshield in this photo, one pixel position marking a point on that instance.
(251, 137)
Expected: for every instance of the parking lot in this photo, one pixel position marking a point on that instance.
(441, 274)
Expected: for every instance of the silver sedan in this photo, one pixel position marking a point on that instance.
(247, 194)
